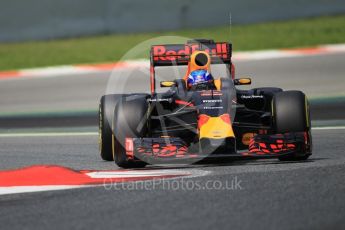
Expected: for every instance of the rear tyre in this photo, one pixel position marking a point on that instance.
(105, 114)
(291, 115)
(129, 121)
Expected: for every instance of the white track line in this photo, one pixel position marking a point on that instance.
(62, 134)
(136, 174)
(329, 128)
(66, 134)
(26, 189)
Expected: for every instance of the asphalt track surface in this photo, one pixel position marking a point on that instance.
(270, 195)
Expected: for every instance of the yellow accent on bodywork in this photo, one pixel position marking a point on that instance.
(167, 83)
(244, 80)
(218, 84)
(216, 128)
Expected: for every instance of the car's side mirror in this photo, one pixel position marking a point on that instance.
(167, 83)
(243, 81)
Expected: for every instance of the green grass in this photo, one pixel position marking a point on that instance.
(108, 48)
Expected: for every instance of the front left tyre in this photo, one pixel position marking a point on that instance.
(291, 115)
(129, 121)
(105, 114)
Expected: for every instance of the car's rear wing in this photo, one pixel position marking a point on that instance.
(178, 54)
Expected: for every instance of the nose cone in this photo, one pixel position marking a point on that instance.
(216, 134)
(215, 127)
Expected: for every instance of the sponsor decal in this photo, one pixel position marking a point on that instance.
(212, 101)
(246, 138)
(159, 99)
(174, 52)
(211, 93)
(213, 107)
(251, 96)
(216, 132)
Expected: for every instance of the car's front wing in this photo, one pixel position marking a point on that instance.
(174, 150)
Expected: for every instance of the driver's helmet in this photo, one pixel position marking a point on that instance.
(199, 77)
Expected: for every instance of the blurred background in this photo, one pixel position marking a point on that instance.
(56, 57)
(51, 19)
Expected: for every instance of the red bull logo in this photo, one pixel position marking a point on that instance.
(174, 52)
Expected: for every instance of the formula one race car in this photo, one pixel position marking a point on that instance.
(212, 121)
